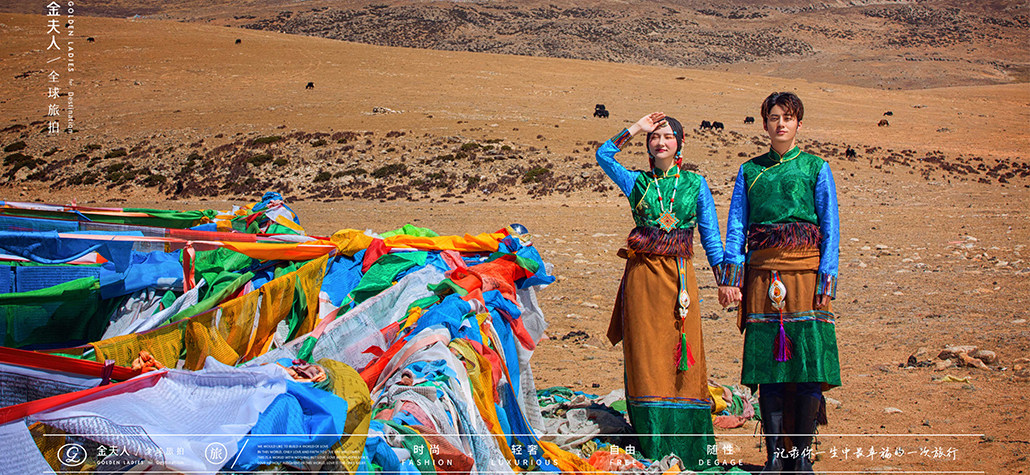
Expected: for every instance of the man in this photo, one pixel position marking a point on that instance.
(782, 246)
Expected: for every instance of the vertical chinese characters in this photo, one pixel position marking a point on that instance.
(55, 53)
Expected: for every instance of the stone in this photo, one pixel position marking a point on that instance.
(943, 365)
(987, 356)
(953, 351)
(967, 360)
(892, 410)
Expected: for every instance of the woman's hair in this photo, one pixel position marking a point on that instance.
(677, 130)
(787, 100)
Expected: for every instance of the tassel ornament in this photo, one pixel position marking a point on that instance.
(783, 348)
(686, 356)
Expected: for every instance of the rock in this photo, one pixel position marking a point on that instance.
(943, 365)
(590, 305)
(893, 410)
(967, 360)
(953, 351)
(987, 356)
(834, 402)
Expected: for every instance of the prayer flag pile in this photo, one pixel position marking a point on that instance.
(207, 341)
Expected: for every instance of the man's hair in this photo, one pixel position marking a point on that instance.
(787, 100)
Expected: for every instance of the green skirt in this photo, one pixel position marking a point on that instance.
(811, 333)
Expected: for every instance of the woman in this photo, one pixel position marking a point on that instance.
(657, 315)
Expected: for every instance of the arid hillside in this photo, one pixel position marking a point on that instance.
(893, 44)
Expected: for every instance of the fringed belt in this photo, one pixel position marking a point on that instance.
(798, 235)
(646, 239)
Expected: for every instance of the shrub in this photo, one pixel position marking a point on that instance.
(260, 159)
(319, 143)
(388, 170)
(118, 152)
(280, 162)
(322, 176)
(267, 140)
(154, 180)
(353, 171)
(116, 167)
(14, 147)
(16, 158)
(20, 160)
(535, 174)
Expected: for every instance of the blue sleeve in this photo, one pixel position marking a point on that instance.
(829, 227)
(622, 177)
(736, 233)
(708, 227)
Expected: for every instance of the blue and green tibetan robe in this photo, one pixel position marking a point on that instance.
(664, 358)
(783, 231)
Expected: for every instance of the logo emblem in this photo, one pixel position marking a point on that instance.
(216, 453)
(72, 455)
